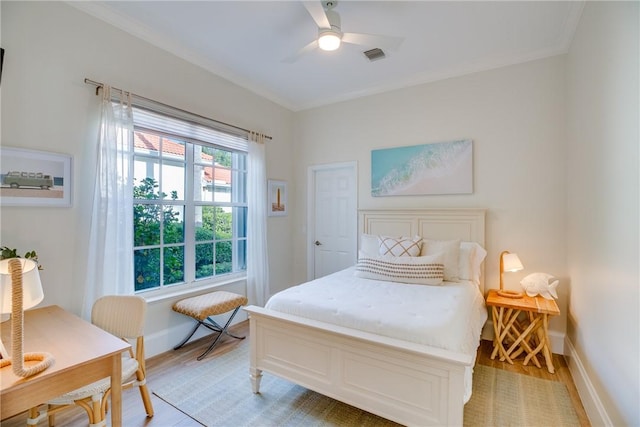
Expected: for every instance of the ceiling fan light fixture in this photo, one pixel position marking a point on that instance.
(329, 40)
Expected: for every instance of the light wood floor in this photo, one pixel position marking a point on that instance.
(168, 364)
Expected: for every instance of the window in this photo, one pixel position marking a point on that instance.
(190, 203)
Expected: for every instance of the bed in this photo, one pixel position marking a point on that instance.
(413, 381)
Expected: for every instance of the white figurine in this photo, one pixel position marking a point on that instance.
(538, 283)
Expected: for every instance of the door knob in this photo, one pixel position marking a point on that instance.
(317, 243)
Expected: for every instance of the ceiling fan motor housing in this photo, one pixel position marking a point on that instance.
(329, 38)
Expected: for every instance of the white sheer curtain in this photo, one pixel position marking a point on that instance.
(257, 260)
(110, 258)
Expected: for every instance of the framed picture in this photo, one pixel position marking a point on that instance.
(436, 168)
(34, 178)
(277, 198)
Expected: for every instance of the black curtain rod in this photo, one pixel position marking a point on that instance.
(99, 85)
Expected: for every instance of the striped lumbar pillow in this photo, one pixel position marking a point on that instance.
(400, 246)
(426, 270)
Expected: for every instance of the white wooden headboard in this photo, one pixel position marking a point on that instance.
(441, 224)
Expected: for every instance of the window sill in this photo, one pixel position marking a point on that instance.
(191, 289)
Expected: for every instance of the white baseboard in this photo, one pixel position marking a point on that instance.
(590, 400)
(557, 341)
(557, 338)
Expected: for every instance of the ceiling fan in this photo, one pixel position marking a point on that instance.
(330, 34)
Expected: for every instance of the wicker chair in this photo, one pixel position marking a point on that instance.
(122, 316)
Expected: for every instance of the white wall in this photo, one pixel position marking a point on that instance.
(515, 117)
(50, 47)
(603, 233)
(555, 164)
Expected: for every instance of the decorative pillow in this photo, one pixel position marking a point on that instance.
(471, 257)
(427, 270)
(369, 244)
(400, 246)
(450, 250)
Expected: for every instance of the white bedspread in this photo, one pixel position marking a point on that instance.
(450, 316)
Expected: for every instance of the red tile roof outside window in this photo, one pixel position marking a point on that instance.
(151, 142)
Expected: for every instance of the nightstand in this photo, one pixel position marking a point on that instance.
(528, 334)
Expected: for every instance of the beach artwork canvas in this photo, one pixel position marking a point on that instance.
(436, 168)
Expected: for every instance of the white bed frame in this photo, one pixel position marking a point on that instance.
(408, 383)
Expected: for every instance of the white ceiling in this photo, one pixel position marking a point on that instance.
(246, 41)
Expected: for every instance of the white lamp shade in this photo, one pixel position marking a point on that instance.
(329, 41)
(511, 262)
(32, 293)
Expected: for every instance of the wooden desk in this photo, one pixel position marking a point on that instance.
(513, 335)
(83, 354)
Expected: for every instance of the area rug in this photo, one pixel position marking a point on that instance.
(217, 392)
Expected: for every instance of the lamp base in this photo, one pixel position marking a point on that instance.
(45, 360)
(510, 294)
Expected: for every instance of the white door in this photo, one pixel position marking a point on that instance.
(332, 218)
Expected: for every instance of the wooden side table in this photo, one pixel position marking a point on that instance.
(515, 334)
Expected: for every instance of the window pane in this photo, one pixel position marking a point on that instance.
(173, 265)
(240, 222)
(221, 157)
(147, 268)
(240, 161)
(146, 178)
(239, 178)
(202, 155)
(221, 184)
(203, 187)
(240, 261)
(173, 224)
(223, 222)
(146, 143)
(146, 224)
(204, 223)
(204, 260)
(223, 258)
(172, 148)
(173, 180)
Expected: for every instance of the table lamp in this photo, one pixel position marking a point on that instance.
(20, 289)
(509, 262)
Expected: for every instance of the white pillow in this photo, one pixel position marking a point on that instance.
(427, 270)
(471, 257)
(450, 250)
(369, 244)
(400, 246)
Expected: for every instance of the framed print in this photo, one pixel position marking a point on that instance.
(34, 178)
(277, 198)
(436, 168)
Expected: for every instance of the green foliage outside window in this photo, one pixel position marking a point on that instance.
(216, 225)
(220, 157)
(147, 220)
(213, 236)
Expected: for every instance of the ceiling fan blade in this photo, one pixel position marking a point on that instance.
(308, 48)
(317, 12)
(373, 40)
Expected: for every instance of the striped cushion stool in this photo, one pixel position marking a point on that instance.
(202, 306)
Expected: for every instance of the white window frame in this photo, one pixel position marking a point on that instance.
(235, 146)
